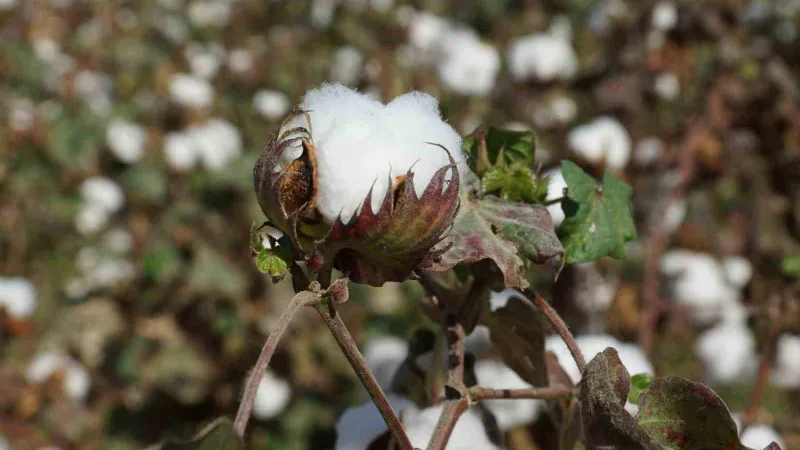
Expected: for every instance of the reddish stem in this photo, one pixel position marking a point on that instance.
(560, 326)
(478, 393)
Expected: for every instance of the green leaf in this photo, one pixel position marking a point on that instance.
(504, 232)
(639, 383)
(516, 184)
(514, 145)
(517, 330)
(218, 435)
(685, 415)
(598, 218)
(791, 266)
(604, 391)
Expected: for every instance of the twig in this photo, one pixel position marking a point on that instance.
(478, 393)
(455, 391)
(300, 300)
(764, 367)
(560, 326)
(447, 422)
(350, 350)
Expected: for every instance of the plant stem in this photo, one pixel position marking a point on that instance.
(478, 393)
(765, 365)
(447, 422)
(454, 407)
(350, 350)
(560, 326)
(246, 406)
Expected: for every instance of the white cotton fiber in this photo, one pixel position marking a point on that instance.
(272, 397)
(359, 426)
(603, 139)
(360, 142)
(469, 66)
(509, 413)
(631, 355)
(760, 436)
(468, 434)
(76, 381)
(543, 57)
(384, 355)
(728, 351)
(786, 372)
(17, 297)
(126, 140)
(555, 190)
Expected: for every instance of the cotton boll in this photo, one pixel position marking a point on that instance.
(760, 436)
(543, 57)
(360, 143)
(426, 31)
(648, 151)
(272, 397)
(728, 352)
(509, 413)
(563, 109)
(119, 240)
(667, 86)
(468, 434)
(190, 91)
(384, 355)
(204, 63)
(359, 426)
(126, 140)
(91, 219)
(103, 193)
(271, 104)
(22, 116)
(240, 60)
(786, 372)
(555, 190)
(469, 66)
(347, 65)
(17, 297)
(322, 12)
(76, 379)
(95, 90)
(179, 151)
(674, 216)
(210, 13)
(738, 270)
(217, 143)
(665, 16)
(602, 139)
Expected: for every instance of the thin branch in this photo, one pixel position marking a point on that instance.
(560, 326)
(765, 365)
(350, 350)
(455, 390)
(447, 422)
(478, 393)
(300, 300)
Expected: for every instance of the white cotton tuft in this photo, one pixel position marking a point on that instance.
(102, 192)
(555, 190)
(648, 151)
(513, 412)
(126, 140)
(240, 60)
(179, 151)
(17, 297)
(91, 219)
(543, 57)
(190, 91)
(361, 143)
(271, 104)
(469, 66)
(760, 436)
(468, 433)
(347, 65)
(728, 351)
(700, 285)
(426, 32)
(204, 62)
(500, 299)
(602, 139)
(738, 270)
(217, 143)
(76, 382)
(384, 355)
(359, 426)
(210, 13)
(479, 342)
(665, 16)
(272, 397)
(667, 86)
(674, 215)
(786, 372)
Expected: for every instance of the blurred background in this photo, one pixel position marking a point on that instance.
(130, 305)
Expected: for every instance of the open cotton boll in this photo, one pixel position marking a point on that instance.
(347, 65)
(17, 297)
(102, 192)
(648, 151)
(271, 104)
(468, 433)
(665, 15)
(602, 139)
(631, 355)
(509, 413)
(555, 190)
(210, 13)
(359, 426)
(190, 91)
(469, 66)
(384, 355)
(786, 372)
(180, 152)
(426, 31)
(217, 143)
(126, 140)
(240, 60)
(728, 352)
(667, 86)
(543, 57)
(76, 381)
(359, 142)
(90, 219)
(272, 397)
(738, 270)
(760, 436)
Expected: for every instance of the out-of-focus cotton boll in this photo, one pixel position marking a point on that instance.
(556, 111)
(6, 5)
(210, 13)
(217, 143)
(738, 270)
(469, 66)
(179, 151)
(602, 139)
(102, 192)
(786, 372)
(347, 65)
(76, 381)
(509, 413)
(426, 31)
(272, 397)
(591, 345)
(665, 15)
(94, 89)
(361, 425)
(648, 151)
(468, 434)
(22, 116)
(204, 62)
(728, 351)
(555, 190)
(384, 355)
(760, 436)
(596, 292)
(674, 216)
(271, 104)
(700, 285)
(190, 91)
(542, 57)
(17, 297)
(126, 140)
(91, 219)
(240, 60)
(667, 86)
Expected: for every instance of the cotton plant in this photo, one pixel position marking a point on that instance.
(17, 297)
(542, 57)
(390, 192)
(101, 198)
